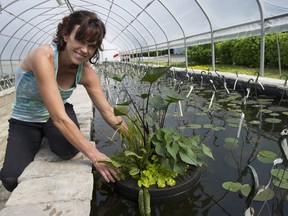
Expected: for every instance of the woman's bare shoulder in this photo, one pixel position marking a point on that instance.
(37, 54)
(89, 74)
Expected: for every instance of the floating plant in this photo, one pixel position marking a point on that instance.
(233, 122)
(273, 120)
(232, 186)
(266, 156)
(254, 122)
(194, 126)
(207, 126)
(281, 180)
(231, 143)
(264, 194)
(274, 114)
(266, 111)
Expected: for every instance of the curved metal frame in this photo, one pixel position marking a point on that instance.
(212, 34)
(123, 36)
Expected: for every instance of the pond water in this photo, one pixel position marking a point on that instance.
(234, 146)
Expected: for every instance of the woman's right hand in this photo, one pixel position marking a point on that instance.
(110, 174)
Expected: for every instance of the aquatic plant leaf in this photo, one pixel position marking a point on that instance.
(278, 108)
(111, 163)
(255, 122)
(285, 113)
(158, 103)
(266, 156)
(280, 174)
(231, 140)
(143, 96)
(264, 195)
(173, 149)
(207, 151)
(207, 126)
(130, 153)
(154, 74)
(172, 96)
(233, 125)
(281, 183)
(134, 171)
(160, 149)
(272, 120)
(116, 77)
(218, 128)
(231, 146)
(182, 127)
(179, 167)
(120, 111)
(189, 157)
(151, 118)
(274, 114)
(126, 103)
(233, 120)
(194, 126)
(266, 111)
(232, 186)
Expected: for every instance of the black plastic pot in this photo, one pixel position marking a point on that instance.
(129, 189)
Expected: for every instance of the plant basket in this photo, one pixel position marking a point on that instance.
(129, 189)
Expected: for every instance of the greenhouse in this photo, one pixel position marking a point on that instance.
(211, 139)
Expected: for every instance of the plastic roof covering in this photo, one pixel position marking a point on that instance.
(140, 25)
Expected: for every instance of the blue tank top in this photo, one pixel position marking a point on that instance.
(28, 104)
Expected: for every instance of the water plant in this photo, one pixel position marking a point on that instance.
(152, 153)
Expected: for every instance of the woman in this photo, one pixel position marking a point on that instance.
(44, 81)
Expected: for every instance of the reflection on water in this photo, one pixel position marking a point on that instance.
(258, 132)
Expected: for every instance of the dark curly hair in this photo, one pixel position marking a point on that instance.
(91, 29)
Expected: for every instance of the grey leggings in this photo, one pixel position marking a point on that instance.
(24, 142)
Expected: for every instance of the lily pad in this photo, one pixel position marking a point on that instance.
(233, 120)
(255, 122)
(232, 186)
(266, 156)
(218, 128)
(274, 114)
(272, 120)
(265, 195)
(231, 146)
(266, 111)
(182, 127)
(207, 126)
(194, 126)
(280, 173)
(285, 113)
(201, 114)
(231, 140)
(281, 183)
(278, 108)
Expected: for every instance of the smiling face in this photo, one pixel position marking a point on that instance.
(82, 27)
(78, 51)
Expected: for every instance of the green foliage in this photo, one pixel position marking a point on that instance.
(153, 154)
(155, 173)
(199, 54)
(232, 186)
(243, 52)
(177, 151)
(224, 52)
(144, 202)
